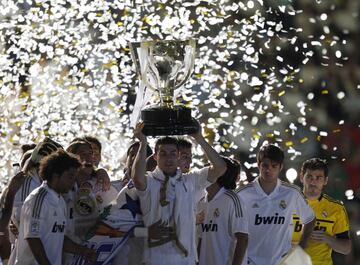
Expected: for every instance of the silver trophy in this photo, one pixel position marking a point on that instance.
(164, 66)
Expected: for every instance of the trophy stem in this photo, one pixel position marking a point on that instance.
(167, 98)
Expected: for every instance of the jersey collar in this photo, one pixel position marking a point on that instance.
(159, 175)
(321, 196)
(315, 201)
(218, 194)
(54, 196)
(260, 191)
(37, 179)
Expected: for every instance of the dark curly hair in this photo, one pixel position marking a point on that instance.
(57, 163)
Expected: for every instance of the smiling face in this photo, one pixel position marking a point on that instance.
(269, 170)
(167, 156)
(314, 182)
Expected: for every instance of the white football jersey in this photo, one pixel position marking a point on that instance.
(224, 216)
(270, 220)
(30, 184)
(43, 216)
(181, 208)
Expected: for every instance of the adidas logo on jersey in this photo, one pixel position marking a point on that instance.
(209, 227)
(58, 227)
(255, 205)
(277, 220)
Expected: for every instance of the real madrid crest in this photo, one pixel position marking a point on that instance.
(216, 213)
(85, 204)
(282, 204)
(324, 214)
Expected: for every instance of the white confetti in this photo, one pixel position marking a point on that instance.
(322, 133)
(66, 69)
(323, 16)
(338, 54)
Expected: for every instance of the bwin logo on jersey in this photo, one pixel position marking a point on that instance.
(277, 220)
(58, 227)
(210, 227)
(319, 227)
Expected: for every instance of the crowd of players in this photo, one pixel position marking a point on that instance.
(162, 211)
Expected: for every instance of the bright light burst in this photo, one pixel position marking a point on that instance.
(66, 71)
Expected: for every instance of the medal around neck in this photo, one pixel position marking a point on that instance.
(163, 66)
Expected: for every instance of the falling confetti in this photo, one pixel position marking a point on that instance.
(66, 71)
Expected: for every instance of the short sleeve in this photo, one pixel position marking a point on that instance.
(342, 222)
(238, 218)
(303, 209)
(145, 197)
(33, 217)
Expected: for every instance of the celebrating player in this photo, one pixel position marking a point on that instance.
(168, 195)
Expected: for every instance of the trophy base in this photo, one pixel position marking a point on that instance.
(163, 121)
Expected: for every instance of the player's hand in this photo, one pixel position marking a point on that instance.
(158, 230)
(198, 134)
(320, 236)
(103, 179)
(138, 132)
(124, 181)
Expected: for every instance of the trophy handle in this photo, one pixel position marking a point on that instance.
(188, 64)
(135, 48)
(135, 55)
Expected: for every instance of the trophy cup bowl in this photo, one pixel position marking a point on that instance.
(165, 65)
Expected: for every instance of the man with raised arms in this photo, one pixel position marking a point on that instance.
(168, 195)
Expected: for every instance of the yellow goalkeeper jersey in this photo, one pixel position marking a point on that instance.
(331, 217)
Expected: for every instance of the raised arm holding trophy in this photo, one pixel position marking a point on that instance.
(163, 66)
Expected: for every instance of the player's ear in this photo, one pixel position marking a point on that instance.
(326, 180)
(301, 178)
(258, 163)
(155, 156)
